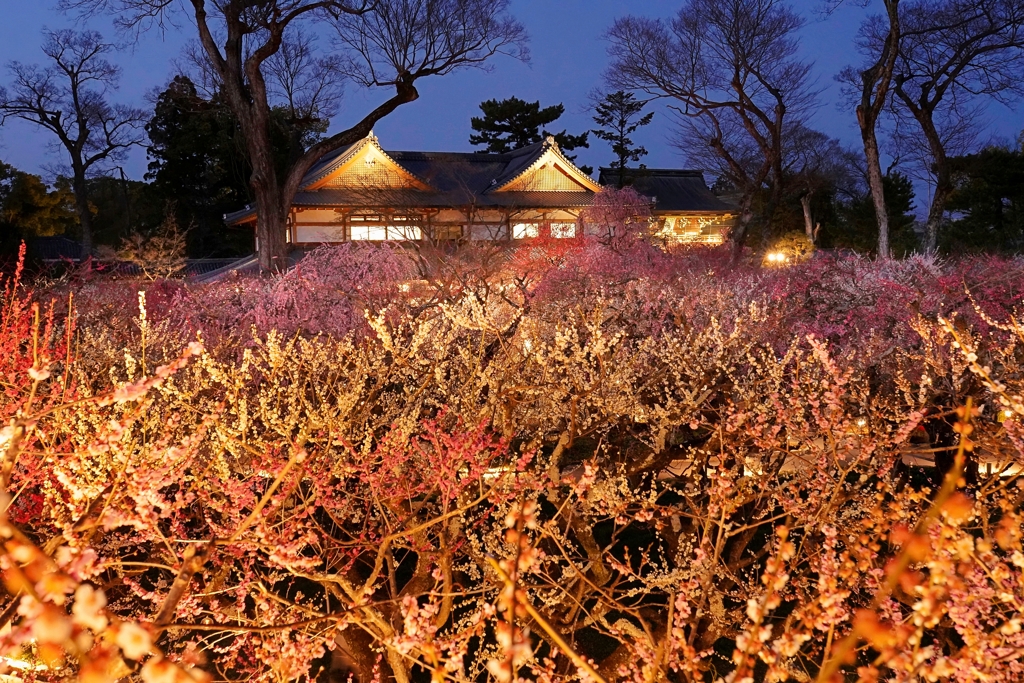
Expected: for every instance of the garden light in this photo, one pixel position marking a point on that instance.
(776, 258)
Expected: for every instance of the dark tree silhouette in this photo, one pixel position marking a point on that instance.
(729, 69)
(953, 52)
(389, 44)
(616, 114)
(987, 202)
(197, 162)
(513, 123)
(70, 98)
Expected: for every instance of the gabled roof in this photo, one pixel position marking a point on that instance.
(449, 179)
(538, 176)
(673, 190)
(517, 174)
(368, 150)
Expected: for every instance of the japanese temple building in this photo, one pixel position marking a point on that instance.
(366, 193)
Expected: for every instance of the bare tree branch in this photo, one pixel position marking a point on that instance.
(731, 73)
(70, 99)
(954, 53)
(261, 55)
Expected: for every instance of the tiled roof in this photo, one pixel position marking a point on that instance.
(456, 197)
(193, 268)
(469, 174)
(58, 248)
(241, 216)
(673, 190)
(464, 179)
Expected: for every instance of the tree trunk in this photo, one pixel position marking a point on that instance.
(81, 189)
(271, 207)
(778, 175)
(936, 213)
(774, 202)
(805, 203)
(354, 655)
(739, 232)
(877, 188)
(875, 83)
(271, 230)
(943, 186)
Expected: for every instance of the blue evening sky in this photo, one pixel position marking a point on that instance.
(568, 57)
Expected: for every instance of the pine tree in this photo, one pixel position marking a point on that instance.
(513, 123)
(616, 116)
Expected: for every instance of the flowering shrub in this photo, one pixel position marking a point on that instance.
(605, 462)
(329, 290)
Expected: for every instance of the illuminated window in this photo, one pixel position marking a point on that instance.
(369, 233)
(404, 232)
(563, 230)
(522, 231)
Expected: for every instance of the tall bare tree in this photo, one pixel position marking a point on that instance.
(70, 98)
(307, 89)
(389, 44)
(817, 164)
(953, 52)
(730, 70)
(870, 86)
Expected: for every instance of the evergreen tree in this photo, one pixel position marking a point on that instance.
(513, 123)
(28, 208)
(987, 202)
(857, 224)
(616, 115)
(121, 206)
(198, 164)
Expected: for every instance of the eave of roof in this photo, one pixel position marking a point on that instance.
(440, 200)
(321, 170)
(674, 190)
(548, 146)
(241, 216)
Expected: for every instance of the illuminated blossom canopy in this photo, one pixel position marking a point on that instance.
(598, 462)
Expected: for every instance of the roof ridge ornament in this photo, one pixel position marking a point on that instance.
(371, 152)
(549, 156)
